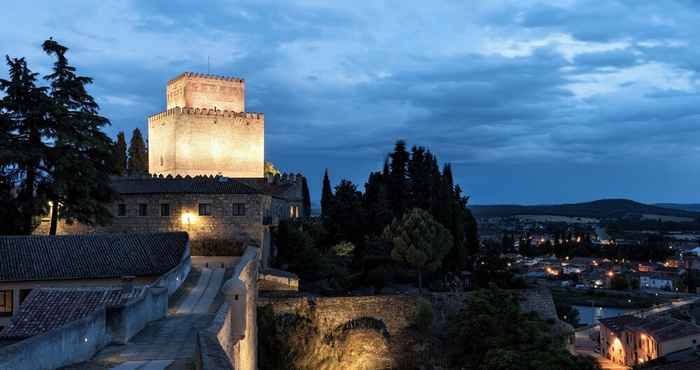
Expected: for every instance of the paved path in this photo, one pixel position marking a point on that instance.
(169, 341)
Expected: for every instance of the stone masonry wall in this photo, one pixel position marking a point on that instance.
(222, 224)
(196, 90)
(189, 141)
(396, 311)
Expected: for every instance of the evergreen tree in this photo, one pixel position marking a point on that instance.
(120, 157)
(347, 215)
(306, 203)
(138, 155)
(397, 180)
(80, 160)
(376, 204)
(22, 150)
(326, 196)
(418, 241)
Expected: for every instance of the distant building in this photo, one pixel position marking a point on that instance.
(656, 281)
(628, 340)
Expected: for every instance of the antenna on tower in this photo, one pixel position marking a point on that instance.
(208, 66)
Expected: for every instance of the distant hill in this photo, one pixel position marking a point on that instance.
(684, 207)
(604, 208)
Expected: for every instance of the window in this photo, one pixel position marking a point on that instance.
(239, 209)
(204, 209)
(143, 209)
(121, 210)
(6, 303)
(165, 210)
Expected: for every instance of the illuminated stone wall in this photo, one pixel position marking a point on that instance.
(206, 142)
(196, 90)
(206, 131)
(220, 225)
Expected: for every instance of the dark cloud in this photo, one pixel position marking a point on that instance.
(531, 102)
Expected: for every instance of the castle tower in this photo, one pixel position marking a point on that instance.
(206, 131)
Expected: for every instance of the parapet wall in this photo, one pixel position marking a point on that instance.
(196, 90)
(232, 339)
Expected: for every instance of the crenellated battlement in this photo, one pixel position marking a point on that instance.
(205, 130)
(205, 112)
(206, 77)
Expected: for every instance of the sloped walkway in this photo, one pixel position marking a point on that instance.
(168, 343)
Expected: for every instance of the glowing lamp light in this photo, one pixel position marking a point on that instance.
(188, 218)
(610, 273)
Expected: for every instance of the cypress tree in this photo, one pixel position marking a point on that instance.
(138, 155)
(397, 184)
(120, 157)
(307, 198)
(81, 158)
(326, 196)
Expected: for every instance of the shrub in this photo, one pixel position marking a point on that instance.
(378, 277)
(216, 247)
(423, 318)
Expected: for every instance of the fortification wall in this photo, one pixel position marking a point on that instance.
(207, 142)
(197, 90)
(331, 313)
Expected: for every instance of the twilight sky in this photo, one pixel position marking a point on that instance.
(531, 101)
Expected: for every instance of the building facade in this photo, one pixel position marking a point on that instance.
(629, 340)
(205, 130)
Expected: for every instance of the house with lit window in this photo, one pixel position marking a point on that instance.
(629, 340)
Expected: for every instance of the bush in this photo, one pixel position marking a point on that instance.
(216, 247)
(423, 318)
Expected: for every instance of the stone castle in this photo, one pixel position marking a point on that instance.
(206, 131)
(206, 159)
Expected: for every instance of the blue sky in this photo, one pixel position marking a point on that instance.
(531, 101)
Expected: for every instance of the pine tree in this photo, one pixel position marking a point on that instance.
(80, 160)
(326, 197)
(22, 150)
(419, 241)
(306, 204)
(120, 157)
(138, 155)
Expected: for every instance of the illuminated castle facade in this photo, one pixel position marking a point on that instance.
(205, 130)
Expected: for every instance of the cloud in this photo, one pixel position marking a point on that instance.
(530, 95)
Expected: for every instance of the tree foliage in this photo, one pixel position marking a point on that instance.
(419, 241)
(490, 333)
(120, 156)
(53, 150)
(138, 155)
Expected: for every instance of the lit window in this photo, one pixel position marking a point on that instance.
(143, 209)
(5, 303)
(165, 210)
(239, 209)
(204, 209)
(121, 210)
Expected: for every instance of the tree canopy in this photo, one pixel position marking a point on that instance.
(53, 153)
(418, 241)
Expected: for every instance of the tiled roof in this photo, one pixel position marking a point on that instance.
(178, 185)
(665, 328)
(620, 323)
(36, 258)
(45, 309)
